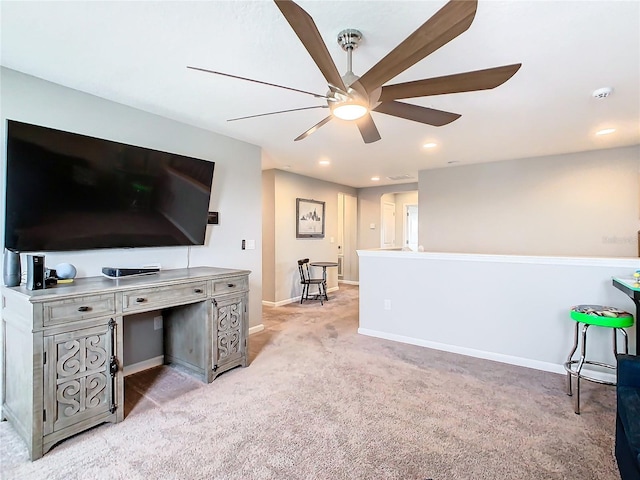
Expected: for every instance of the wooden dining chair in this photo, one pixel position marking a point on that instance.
(306, 281)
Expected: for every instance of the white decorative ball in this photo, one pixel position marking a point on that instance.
(65, 270)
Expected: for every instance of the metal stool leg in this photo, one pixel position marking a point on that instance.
(626, 340)
(583, 354)
(615, 341)
(575, 347)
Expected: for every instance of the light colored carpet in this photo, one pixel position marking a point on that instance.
(319, 401)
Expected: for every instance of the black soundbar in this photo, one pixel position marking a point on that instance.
(119, 272)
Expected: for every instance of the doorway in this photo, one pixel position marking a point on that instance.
(399, 220)
(347, 238)
(388, 225)
(410, 227)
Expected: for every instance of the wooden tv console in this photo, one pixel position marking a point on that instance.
(63, 345)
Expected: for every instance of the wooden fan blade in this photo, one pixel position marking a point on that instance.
(317, 95)
(460, 82)
(314, 128)
(306, 30)
(437, 118)
(368, 129)
(448, 22)
(273, 113)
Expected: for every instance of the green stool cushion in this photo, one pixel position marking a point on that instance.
(602, 316)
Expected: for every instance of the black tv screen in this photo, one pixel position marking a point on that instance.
(73, 192)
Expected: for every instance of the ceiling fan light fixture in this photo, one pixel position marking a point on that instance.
(349, 111)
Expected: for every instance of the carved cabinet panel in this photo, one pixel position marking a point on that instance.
(78, 381)
(65, 344)
(229, 336)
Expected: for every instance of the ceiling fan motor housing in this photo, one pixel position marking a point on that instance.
(353, 98)
(349, 39)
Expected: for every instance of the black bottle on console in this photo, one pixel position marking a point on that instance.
(12, 271)
(35, 272)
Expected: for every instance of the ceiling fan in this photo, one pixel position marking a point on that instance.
(354, 98)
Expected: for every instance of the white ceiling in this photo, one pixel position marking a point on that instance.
(136, 53)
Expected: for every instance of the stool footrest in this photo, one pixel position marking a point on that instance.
(574, 373)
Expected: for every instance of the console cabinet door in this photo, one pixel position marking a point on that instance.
(78, 385)
(228, 334)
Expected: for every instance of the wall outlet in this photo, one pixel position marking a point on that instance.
(157, 322)
(251, 244)
(387, 304)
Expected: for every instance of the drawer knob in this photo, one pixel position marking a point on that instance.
(84, 309)
(231, 285)
(140, 300)
(198, 290)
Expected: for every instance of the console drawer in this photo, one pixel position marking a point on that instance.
(157, 297)
(82, 308)
(229, 285)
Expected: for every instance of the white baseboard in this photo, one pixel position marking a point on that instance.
(349, 282)
(497, 357)
(280, 303)
(256, 329)
(292, 300)
(140, 366)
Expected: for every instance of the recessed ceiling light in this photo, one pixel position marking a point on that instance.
(375, 179)
(430, 145)
(606, 131)
(452, 162)
(324, 162)
(287, 167)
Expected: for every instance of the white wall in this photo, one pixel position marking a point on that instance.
(288, 249)
(506, 308)
(236, 192)
(575, 204)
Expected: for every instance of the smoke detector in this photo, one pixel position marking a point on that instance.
(603, 92)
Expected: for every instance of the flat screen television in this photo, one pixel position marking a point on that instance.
(67, 191)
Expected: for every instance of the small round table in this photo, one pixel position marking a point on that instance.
(324, 266)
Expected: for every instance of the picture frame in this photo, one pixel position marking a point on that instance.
(309, 218)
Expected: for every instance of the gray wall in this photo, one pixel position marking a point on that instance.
(236, 183)
(268, 235)
(141, 325)
(579, 204)
(283, 273)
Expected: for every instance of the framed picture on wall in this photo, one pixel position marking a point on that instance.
(309, 218)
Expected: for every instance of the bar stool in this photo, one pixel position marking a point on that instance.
(601, 316)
